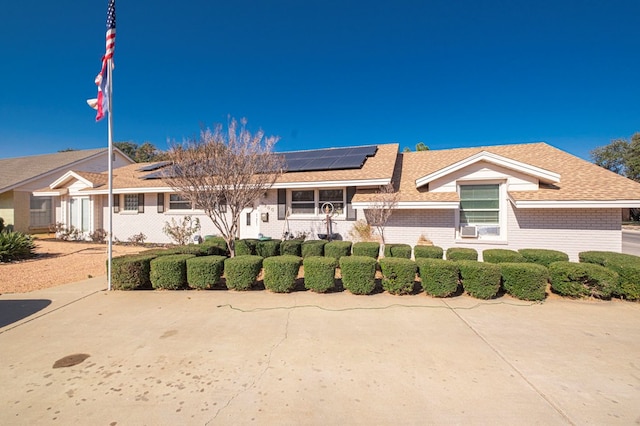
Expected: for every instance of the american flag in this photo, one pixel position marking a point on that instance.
(102, 80)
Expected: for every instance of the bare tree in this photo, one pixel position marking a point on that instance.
(385, 200)
(224, 172)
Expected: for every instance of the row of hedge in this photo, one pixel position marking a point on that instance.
(439, 277)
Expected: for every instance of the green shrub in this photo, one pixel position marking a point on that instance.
(219, 243)
(397, 250)
(169, 272)
(525, 281)
(1, 224)
(194, 249)
(241, 272)
(481, 280)
(205, 271)
(280, 273)
(460, 253)
(313, 248)
(337, 249)
(366, 248)
(319, 273)
(583, 279)
(398, 275)
(440, 278)
(427, 252)
(131, 272)
(291, 247)
(15, 246)
(502, 256)
(268, 248)
(543, 257)
(626, 265)
(358, 274)
(246, 247)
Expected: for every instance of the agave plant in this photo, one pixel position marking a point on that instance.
(15, 246)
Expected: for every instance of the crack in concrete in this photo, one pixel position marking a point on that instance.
(259, 376)
(513, 367)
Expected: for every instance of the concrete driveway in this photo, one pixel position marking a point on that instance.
(222, 357)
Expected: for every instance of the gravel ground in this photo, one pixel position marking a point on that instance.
(58, 262)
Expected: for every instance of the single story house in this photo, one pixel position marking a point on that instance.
(510, 196)
(20, 176)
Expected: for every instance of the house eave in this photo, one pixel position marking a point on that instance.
(576, 204)
(331, 183)
(406, 205)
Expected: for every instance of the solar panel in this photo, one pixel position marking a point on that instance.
(349, 162)
(154, 166)
(328, 159)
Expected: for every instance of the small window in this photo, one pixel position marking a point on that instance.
(480, 207)
(176, 202)
(131, 202)
(302, 202)
(41, 212)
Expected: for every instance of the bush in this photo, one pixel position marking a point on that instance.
(280, 273)
(219, 243)
(398, 275)
(204, 272)
(583, 279)
(181, 232)
(169, 272)
(502, 256)
(319, 273)
(366, 248)
(440, 278)
(15, 246)
(131, 272)
(427, 252)
(626, 265)
(358, 274)
(313, 248)
(242, 271)
(194, 249)
(397, 250)
(337, 249)
(525, 281)
(481, 280)
(460, 253)
(267, 248)
(291, 247)
(1, 224)
(246, 247)
(543, 257)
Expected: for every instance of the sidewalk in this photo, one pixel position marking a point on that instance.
(223, 357)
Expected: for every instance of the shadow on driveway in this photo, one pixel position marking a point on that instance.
(15, 310)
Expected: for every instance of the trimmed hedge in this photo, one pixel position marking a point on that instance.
(398, 275)
(525, 281)
(397, 250)
(313, 248)
(291, 247)
(169, 272)
(460, 253)
(366, 248)
(241, 272)
(481, 280)
(280, 273)
(319, 273)
(246, 247)
(205, 271)
(358, 274)
(626, 265)
(219, 243)
(428, 252)
(583, 280)
(131, 272)
(440, 278)
(268, 248)
(194, 249)
(543, 257)
(502, 256)
(337, 249)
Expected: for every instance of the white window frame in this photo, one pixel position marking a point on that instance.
(317, 203)
(502, 214)
(191, 210)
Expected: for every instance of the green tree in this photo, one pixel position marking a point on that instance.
(420, 146)
(632, 158)
(620, 156)
(144, 153)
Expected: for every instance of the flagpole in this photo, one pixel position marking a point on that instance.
(110, 163)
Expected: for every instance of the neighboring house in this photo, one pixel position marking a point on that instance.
(20, 176)
(512, 196)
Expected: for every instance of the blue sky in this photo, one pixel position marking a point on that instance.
(324, 73)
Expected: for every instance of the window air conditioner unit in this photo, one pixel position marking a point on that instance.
(469, 231)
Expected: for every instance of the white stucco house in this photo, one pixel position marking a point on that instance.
(510, 196)
(20, 176)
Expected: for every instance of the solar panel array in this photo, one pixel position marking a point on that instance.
(328, 159)
(154, 166)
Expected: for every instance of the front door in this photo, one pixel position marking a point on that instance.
(249, 227)
(80, 213)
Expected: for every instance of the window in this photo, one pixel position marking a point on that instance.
(41, 213)
(131, 202)
(176, 202)
(333, 196)
(310, 201)
(480, 207)
(302, 202)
